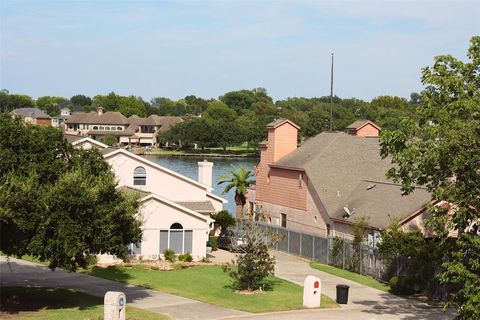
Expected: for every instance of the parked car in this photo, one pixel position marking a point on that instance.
(230, 240)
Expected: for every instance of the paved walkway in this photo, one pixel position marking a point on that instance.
(364, 303)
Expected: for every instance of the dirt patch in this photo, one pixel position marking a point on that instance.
(249, 292)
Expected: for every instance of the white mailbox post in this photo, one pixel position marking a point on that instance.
(114, 305)
(312, 291)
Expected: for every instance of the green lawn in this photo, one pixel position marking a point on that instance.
(47, 303)
(365, 280)
(210, 284)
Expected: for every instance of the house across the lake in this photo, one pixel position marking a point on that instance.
(33, 116)
(175, 209)
(334, 178)
(132, 130)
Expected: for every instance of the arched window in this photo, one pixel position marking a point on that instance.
(139, 176)
(95, 127)
(177, 239)
(119, 128)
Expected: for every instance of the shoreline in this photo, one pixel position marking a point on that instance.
(199, 155)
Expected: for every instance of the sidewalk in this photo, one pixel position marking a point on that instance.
(24, 273)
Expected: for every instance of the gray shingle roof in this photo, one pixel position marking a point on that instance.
(30, 112)
(199, 206)
(360, 123)
(110, 117)
(164, 122)
(72, 138)
(130, 190)
(341, 166)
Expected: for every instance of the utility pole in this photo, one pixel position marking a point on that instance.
(331, 96)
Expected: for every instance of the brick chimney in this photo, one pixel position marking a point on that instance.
(282, 139)
(364, 128)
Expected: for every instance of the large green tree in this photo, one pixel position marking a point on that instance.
(9, 102)
(240, 179)
(442, 152)
(59, 204)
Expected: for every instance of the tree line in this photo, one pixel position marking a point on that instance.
(234, 118)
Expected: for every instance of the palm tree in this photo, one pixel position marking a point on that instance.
(238, 178)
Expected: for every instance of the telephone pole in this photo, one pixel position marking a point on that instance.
(331, 96)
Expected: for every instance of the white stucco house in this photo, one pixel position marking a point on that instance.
(175, 209)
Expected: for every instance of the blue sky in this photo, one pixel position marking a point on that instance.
(206, 48)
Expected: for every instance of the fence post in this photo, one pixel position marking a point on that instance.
(288, 241)
(360, 266)
(301, 243)
(328, 249)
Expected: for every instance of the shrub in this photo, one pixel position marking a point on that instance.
(205, 260)
(404, 285)
(213, 243)
(91, 260)
(186, 257)
(169, 255)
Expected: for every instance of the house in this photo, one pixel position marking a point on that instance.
(82, 142)
(59, 121)
(33, 116)
(322, 186)
(175, 209)
(132, 130)
(146, 130)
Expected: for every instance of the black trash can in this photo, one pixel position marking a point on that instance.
(342, 293)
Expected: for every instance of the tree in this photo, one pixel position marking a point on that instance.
(59, 204)
(254, 263)
(50, 105)
(238, 178)
(109, 139)
(442, 152)
(360, 232)
(9, 102)
(81, 100)
(224, 220)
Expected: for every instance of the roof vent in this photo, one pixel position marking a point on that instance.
(371, 186)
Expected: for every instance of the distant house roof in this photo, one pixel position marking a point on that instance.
(361, 123)
(30, 112)
(347, 171)
(278, 122)
(72, 137)
(110, 117)
(107, 133)
(164, 122)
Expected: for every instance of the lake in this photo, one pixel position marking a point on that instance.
(188, 166)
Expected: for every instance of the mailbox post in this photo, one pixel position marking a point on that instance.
(114, 305)
(312, 291)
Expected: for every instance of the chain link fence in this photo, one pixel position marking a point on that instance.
(328, 250)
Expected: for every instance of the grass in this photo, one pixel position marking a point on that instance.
(365, 280)
(211, 285)
(238, 151)
(47, 303)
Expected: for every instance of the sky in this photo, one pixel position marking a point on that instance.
(207, 48)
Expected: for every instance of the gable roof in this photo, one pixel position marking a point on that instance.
(30, 112)
(340, 167)
(199, 206)
(90, 140)
(108, 152)
(164, 122)
(280, 121)
(357, 125)
(145, 196)
(110, 117)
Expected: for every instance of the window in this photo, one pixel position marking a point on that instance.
(101, 128)
(139, 176)
(119, 128)
(107, 128)
(284, 220)
(95, 127)
(177, 239)
(328, 229)
(300, 179)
